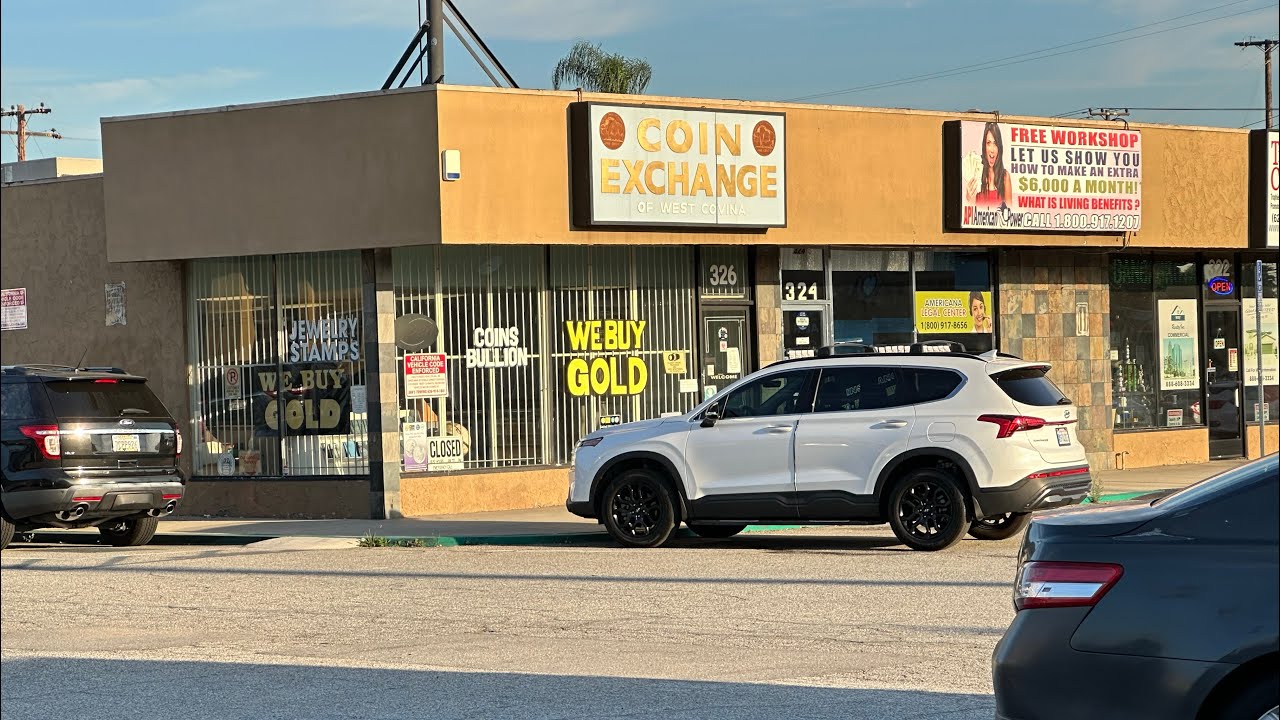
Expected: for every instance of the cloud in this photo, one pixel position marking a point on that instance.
(161, 89)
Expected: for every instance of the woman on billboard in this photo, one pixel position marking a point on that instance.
(992, 188)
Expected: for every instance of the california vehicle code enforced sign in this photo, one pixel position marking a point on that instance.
(1061, 179)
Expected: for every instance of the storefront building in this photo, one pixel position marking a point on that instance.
(425, 316)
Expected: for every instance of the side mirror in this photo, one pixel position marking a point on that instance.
(711, 416)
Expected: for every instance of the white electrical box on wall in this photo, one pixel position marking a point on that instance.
(451, 163)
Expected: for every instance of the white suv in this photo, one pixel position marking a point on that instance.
(937, 444)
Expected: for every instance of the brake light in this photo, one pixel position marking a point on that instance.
(106, 380)
(1063, 584)
(1010, 424)
(47, 440)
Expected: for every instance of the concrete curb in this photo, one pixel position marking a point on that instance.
(577, 538)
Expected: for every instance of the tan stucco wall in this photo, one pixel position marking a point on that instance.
(1273, 440)
(363, 171)
(1162, 447)
(854, 176)
(478, 492)
(346, 172)
(54, 245)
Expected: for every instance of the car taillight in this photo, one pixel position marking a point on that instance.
(178, 437)
(108, 381)
(47, 440)
(1010, 424)
(1063, 584)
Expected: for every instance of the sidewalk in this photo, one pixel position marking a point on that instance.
(534, 526)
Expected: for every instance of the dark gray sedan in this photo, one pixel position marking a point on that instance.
(1162, 608)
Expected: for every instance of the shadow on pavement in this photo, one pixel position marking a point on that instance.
(37, 687)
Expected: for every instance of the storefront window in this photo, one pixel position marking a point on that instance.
(885, 298)
(277, 352)
(871, 296)
(958, 285)
(622, 337)
(479, 307)
(1155, 343)
(1268, 341)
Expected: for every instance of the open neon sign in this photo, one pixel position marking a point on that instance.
(1221, 285)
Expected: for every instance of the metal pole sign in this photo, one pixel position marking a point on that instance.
(1257, 322)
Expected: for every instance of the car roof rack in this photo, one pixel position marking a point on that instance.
(943, 348)
(34, 368)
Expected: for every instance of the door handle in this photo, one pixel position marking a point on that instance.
(779, 429)
(890, 424)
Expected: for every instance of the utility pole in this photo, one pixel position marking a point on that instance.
(21, 112)
(435, 42)
(1267, 46)
(1109, 113)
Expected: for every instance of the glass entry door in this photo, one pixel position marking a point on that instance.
(1223, 357)
(726, 347)
(804, 330)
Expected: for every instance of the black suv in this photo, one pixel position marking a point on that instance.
(86, 447)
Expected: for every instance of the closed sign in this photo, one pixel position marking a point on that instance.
(444, 453)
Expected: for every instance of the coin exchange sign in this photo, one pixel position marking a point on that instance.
(1042, 178)
(678, 166)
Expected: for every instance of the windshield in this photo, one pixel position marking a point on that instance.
(1224, 483)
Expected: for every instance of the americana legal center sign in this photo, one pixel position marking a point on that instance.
(667, 166)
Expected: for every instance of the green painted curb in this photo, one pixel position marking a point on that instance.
(1121, 497)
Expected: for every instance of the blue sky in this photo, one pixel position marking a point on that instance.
(88, 60)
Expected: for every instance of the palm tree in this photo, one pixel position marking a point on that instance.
(594, 70)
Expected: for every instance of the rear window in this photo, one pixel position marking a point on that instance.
(1029, 386)
(88, 399)
(18, 402)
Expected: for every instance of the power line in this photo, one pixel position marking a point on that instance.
(1039, 54)
(1200, 109)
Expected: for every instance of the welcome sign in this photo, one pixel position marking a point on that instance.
(669, 166)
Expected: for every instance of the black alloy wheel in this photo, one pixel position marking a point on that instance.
(638, 509)
(927, 511)
(1000, 527)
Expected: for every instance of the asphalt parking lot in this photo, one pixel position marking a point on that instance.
(814, 623)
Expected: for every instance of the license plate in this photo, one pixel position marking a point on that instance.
(124, 500)
(125, 443)
(1064, 437)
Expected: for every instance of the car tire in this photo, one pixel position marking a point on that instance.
(999, 527)
(6, 531)
(637, 509)
(927, 510)
(1258, 701)
(717, 532)
(130, 532)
